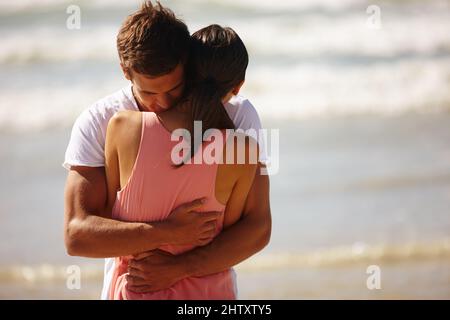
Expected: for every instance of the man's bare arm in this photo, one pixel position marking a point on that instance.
(90, 232)
(240, 241)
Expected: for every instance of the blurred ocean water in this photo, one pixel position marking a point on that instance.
(364, 140)
(307, 58)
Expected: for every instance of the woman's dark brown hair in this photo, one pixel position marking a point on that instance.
(218, 62)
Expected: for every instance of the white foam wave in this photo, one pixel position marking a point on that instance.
(58, 45)
(302, 66)
(298, 92)
(357, 253)
(305, 91)
(27, 6)
(49, 107)
(283, 37)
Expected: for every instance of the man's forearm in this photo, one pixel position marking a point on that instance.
(99, 237)
(240, 241)
(229, 248)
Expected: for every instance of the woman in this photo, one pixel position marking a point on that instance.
(139, 162)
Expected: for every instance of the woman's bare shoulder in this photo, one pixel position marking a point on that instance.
(125, 126)
(125, 118)
(241, 150)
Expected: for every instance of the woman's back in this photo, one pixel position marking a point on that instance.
(151, 187)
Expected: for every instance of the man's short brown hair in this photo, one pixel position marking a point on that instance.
(152, 40)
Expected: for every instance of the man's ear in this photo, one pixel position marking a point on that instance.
(238, 88)
(126, 72)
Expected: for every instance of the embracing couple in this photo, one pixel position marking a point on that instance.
(168, 230)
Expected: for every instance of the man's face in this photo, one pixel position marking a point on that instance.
(157, 94)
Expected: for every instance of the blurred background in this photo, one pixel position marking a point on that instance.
(362, 101)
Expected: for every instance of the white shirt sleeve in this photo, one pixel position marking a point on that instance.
(87, 142)
(245, 117)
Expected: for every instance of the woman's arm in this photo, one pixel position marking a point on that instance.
(123, 137)
(246, 174)
(112, 169)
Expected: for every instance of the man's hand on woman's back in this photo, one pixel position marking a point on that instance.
(190, 227)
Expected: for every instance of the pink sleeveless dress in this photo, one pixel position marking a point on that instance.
(154, 189)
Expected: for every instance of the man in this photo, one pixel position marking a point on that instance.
(153, 48)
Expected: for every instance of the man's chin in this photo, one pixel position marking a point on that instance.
(160, 109)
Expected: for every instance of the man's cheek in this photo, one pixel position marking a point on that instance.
(147, 103)
(164, 103)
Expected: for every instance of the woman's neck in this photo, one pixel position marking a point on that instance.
(176, 117)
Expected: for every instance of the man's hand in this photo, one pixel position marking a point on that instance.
(90, 231)
(189, 227)
(152, 271)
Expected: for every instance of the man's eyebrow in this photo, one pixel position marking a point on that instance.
(176, 87)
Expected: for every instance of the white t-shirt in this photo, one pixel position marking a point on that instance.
(87, 141)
